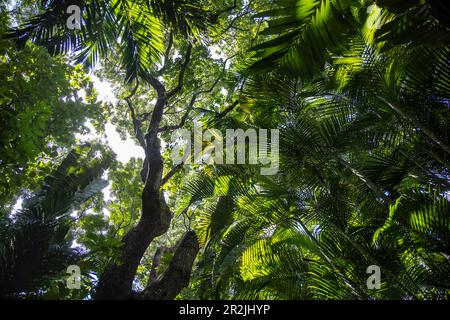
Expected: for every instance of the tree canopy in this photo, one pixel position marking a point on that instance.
(353, 94)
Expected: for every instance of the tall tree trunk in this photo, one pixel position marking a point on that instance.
(117, 280)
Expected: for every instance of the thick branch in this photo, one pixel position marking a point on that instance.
(228, 109)
(171, 173)
(156, 84)
(178, 273)
(224, 112)
(155, 264)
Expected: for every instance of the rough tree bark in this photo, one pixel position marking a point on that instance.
(177, 275)
(117, 279)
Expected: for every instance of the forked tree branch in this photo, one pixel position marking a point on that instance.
(194, 97)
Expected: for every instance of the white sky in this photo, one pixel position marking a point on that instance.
(125, 149)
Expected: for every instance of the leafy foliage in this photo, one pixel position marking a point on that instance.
(133, 28)
(34, 240)
(42, 110)
(360, 93)
(304, 34)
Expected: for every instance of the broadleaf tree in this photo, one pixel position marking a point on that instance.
(359, 91)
